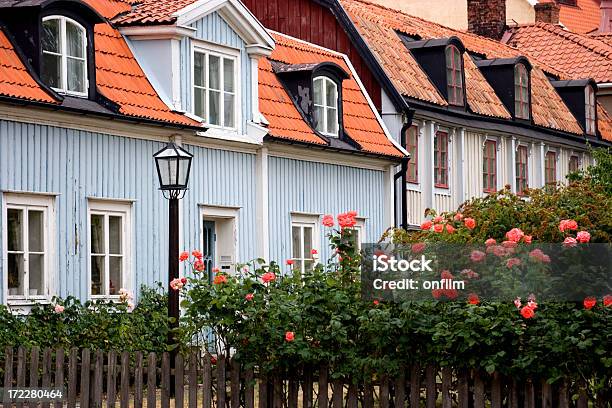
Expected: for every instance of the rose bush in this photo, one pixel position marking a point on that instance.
(281, 319)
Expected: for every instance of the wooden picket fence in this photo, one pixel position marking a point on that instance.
(102, 379)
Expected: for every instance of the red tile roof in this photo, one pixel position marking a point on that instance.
(378, 26)
(285, 121)
(577, 55)
(603, 37)
(152, 12)
(604, 123)
(15, 81)
(582, 18)
(118, 75)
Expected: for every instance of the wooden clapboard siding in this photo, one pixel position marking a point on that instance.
(298, 186)
(78, 164)
(309, 21)
(126, 379)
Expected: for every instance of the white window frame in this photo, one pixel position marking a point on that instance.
(24, 202)
(557, 153)
(590, 111)
(324, 79)
(108, 208)
(63, 54)
(202, 47)
(360, 228)
(443, 191)
(301, 221)
(527, 146)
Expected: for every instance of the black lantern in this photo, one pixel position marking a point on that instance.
(173, 166)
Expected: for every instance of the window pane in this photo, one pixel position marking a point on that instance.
(97, 234)
(76, 75)
(15, 274)
(213, 112)
(214, 72)
(200, 102)
(319, 119)
(296, 242)
(115, 235)
(198, 69)
(331, 93)
(318, 91)
(74, 39)
(228, 110)
(36, 231)
(97, 275)
(307, 242)
(15, 229)
(51, 35)
(332, 121)
(51, 70)
(228, 75)
(36, 271)
(115, 266)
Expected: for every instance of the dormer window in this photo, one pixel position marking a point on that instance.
(521, 92)
(64, 55)
(325, 99)
(589, 110)
(454, 76)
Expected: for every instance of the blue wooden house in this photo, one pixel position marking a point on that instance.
(282, 132)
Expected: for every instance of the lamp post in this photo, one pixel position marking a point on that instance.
(173, 166)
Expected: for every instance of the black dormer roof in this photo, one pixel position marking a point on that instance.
(573, 94)
(430, 54)
(297, 79)
(499, 72)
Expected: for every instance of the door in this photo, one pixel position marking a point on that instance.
(208, 246)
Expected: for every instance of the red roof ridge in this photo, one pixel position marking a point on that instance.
(306, 44)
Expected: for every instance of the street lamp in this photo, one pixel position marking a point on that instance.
(173, 165)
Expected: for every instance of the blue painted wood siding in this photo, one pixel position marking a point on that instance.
(213, 28)
(309, 187)
(79, 164)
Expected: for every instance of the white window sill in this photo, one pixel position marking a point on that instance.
(442, 192)
(413, 187)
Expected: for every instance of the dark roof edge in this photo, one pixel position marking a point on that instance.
(86, 112)
(364, 51)
(503, 125)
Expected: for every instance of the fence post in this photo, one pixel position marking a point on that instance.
(111, 379)
(415, 385)
(464, 389)
(293, 393)
(138, 390)
(8, 372)
(446, 387)
(165, 380)
(352, 395)
(307, 388)
(546, 395)
(368, 394)
(207, 381)
(193, 380)
(46, 372)
(124, 400)
(98, 379)
(323, 385)
(338, 393)
(234, 384)
(263, 391)
(59, 373)
(430, 385)
(496, 392)
(152, 380)
(249, 389)
(400, 390)
(72, 377)
(221, 381)
(179, 381)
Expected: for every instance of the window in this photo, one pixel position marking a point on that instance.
(522, 172)
(358, 233)
(64, 55)
(489, 167)
(214, 88)
(28, 251)
(441, 159)
(109, 248)
(589, 110)
(326, 106)
(574, 164)
(550, 168)
(304, 233)
(412, 145)
(454, 77)
(521, 92)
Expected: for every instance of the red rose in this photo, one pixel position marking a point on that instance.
(607, 300)
(589, 302)
(438, 228)
(426, 225)
(183, 280)
(213, 360)
(289, 262)
(289, 336)
(470, 223)
(583, 237)
(268, 277)
(328, 220)
(527, 312)
(450, 229)
(473, 299)
(199, 265)
(376, 302)
(219, 279)
(184, 256)
(197, 254)
(249, 297)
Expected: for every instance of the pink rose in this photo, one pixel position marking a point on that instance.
(450, 229)
(438, 219)
(583, 237)
(470, 274)
(570, 242)
(517, 302)
(568, 225)
(499, 251)
(328, 220)
(490, 241)
(509, 244)
(458, 217)
(515, 234)
(527, 239)
(418, 247)
(289, 336)
(512, 262)
(470, 223)
(477, 256)
(438, 228)
(268, 277)
(59, 309)
(249, 297)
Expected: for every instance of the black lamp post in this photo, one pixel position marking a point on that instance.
(173, 165)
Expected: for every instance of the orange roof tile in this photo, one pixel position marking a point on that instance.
(604, 123)
(378, 26)
(582, 18)
(118, 75)
(15, 81)
(285, 121)
(577, 55)
(151, 12)
(603, 37)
